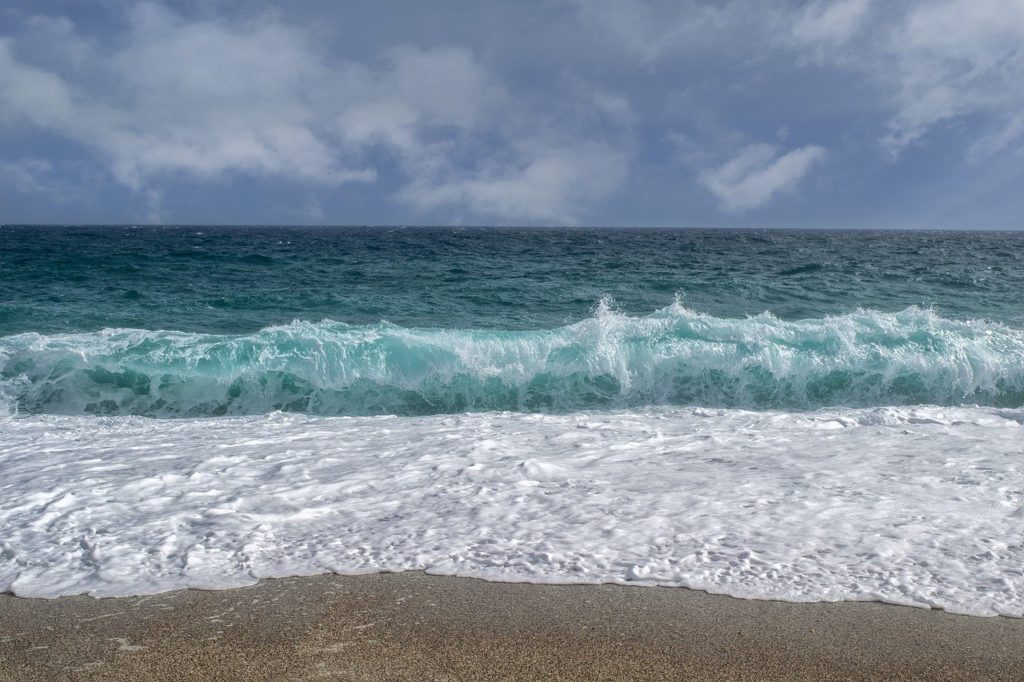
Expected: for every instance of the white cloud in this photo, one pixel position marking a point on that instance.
(37, 95)
(934, 62)
(549, 186)
(616, 107)
(436, 110)
(420, 92)
(202, 98)
(956, 58)
(931, 62)
(757, 174)
(208, 99)
(387, 120)
(834, 21)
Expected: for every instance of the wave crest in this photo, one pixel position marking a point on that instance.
(674, 356)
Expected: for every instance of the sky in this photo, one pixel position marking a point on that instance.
(736, 113)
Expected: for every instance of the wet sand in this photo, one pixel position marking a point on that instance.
(412, 626)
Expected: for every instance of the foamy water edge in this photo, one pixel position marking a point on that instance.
(920, 506)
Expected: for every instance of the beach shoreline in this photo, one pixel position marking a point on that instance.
(417, 626)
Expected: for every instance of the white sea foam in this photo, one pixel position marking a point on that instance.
(672, 357)
(920, 506)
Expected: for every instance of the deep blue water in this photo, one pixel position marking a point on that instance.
(191, 321)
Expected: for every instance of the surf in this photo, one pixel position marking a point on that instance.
(674, 356)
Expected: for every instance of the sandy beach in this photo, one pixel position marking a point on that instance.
(415, 626)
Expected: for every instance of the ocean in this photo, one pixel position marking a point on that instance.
(775, 414)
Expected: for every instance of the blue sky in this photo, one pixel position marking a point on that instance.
(830, 113)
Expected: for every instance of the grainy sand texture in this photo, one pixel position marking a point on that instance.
(412, 626)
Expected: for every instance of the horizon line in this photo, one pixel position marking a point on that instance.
(396, 226)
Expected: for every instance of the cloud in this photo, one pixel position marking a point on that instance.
(209, 99)
(436, 110)
(549, 186)
(654, 29)
(36, 95)
(420, 96)
(929, 63)
(934, 62)
(40, 181)
(537, 113)
(616, 107)
(832, 22)
(757, 174)
(953, 59)
(202, 98)
(995, 142)
(28, 176)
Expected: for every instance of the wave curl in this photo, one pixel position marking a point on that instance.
(674, 356)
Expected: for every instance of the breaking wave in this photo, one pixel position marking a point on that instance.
(674, 356)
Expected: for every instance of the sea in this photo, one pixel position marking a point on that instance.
(768, 414)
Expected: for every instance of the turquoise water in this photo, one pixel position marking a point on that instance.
(186, 321)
